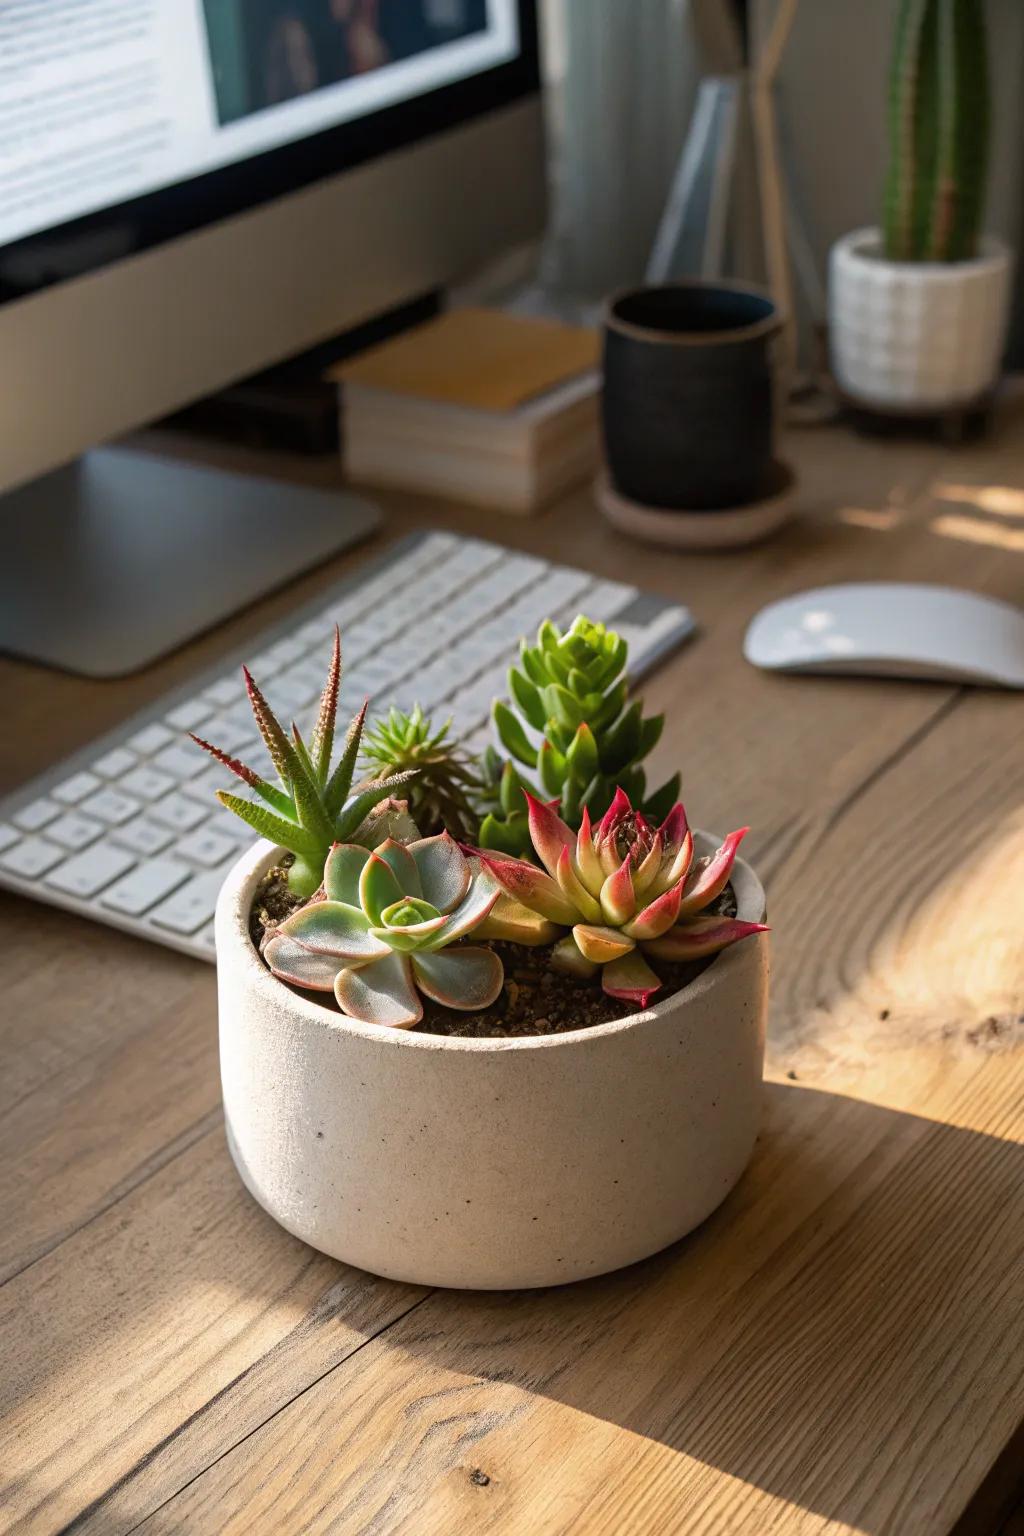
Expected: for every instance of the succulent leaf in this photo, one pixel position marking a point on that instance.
(599, 944)
(340, 781)
(379, 887)
(573, 888)
(477, 904)
(342, 870)
(701, 936)
(334, 928)
(535, 888)
(548, 833)
(630, 978)
(323, 731)
(302, 967)
(568, 958)
(512, 736)
(275, 798)
(443, 869)
(511, 922)
(467, 976)
(380, 993)
(711, 877)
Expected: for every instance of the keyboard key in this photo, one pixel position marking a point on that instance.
(74, 832)
(115, 764)
(33, 856)
(31, 817)
(76, 788)
(207, 847)
(147, 884)
(112, 807)
(192, 904)
(284, 652)
(181, 762)
(8, 836)
(150, 739)
(188, 716)
(226, 690)
(143, 835)
(228, 732)
(148, 783)
(179, 812)
(90, 872)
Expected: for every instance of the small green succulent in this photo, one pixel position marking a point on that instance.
(389, 930)
(314, 805)
(440, 794)
(571, 692)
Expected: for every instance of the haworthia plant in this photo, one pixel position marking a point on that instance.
(388, 932)
(939, 131)
(313, 804)
(571, 692)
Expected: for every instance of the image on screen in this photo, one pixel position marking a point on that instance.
(264, 52)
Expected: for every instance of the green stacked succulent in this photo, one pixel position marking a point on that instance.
(571, 690)
(939, 130)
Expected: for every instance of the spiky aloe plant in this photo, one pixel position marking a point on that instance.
(439, 796)
(939, 129)
(627, 890)
(389, 929)
(313, 805)
(571, 690)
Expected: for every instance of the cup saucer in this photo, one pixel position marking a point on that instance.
(726, 528)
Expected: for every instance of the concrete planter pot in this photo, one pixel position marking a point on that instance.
(916, 336)
(489, 1163)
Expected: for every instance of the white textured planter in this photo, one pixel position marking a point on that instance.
(489, 1163)
(908, 335)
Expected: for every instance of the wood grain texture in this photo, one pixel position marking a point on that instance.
(841, 1348)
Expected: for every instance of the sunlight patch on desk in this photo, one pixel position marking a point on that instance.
(972, 531)
(878, 519)
(1001, 500)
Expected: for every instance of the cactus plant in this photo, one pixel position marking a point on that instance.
(627, 890)
(314, 805)
(388, 930)
(570, 691)
(939, 129)
(439, 796)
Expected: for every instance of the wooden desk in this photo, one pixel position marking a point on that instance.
(840, 1348)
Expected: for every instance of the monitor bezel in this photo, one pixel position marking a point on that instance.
(73, 249)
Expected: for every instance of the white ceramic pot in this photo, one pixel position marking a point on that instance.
(489, 1163)
(909, 335)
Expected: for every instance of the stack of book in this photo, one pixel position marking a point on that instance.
(487, 407)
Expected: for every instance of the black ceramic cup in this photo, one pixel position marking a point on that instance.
(687, 405)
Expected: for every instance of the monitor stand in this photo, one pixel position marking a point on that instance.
(122, 556)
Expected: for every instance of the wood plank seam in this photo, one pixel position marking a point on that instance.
(206, 1125)
(126, 1479)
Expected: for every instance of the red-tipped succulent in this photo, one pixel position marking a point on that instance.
(626, 889)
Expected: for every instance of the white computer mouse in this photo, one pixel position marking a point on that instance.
(892, 629)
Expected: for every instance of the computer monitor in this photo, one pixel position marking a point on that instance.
(192, 190)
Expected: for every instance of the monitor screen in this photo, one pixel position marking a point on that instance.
(125, 122)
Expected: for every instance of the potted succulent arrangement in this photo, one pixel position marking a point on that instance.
(495, 1032)
(918, 311)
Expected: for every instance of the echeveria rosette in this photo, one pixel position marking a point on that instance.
(313, 805)
(568, 722)
(627, 890)
(389, 928)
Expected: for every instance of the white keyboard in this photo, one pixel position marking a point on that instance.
(128, 831)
